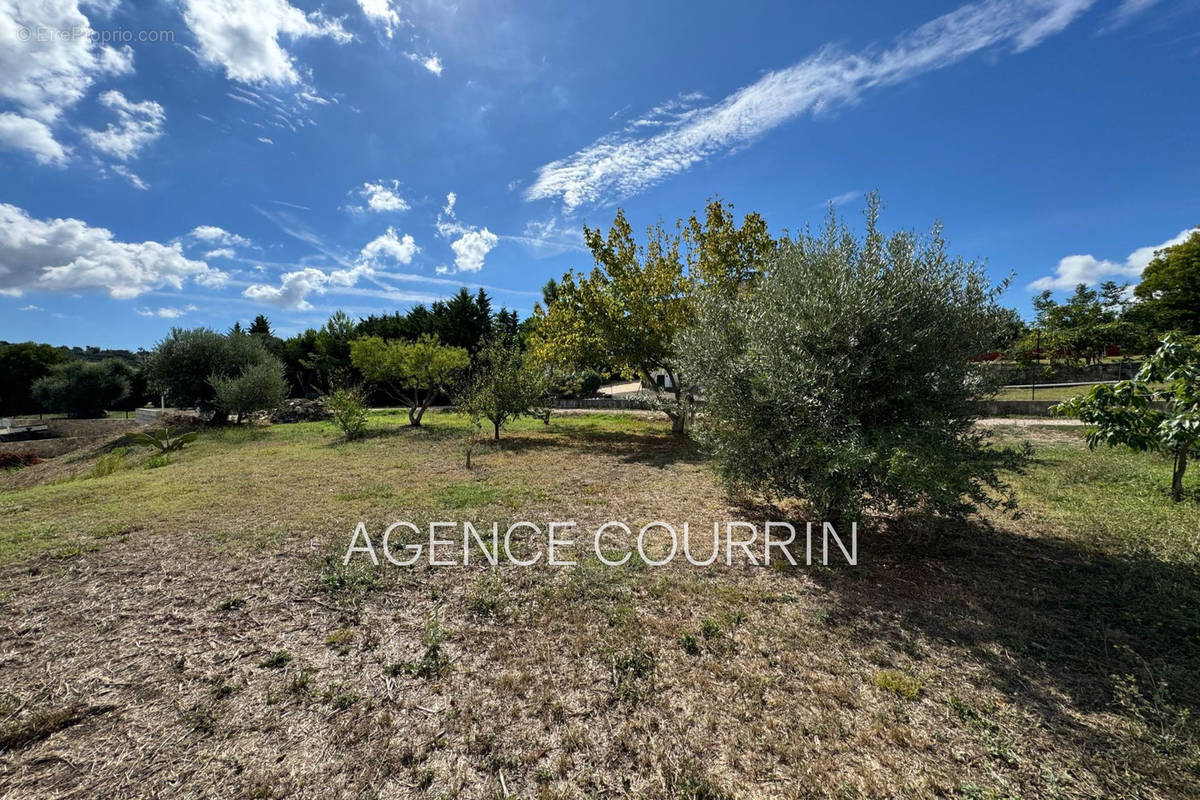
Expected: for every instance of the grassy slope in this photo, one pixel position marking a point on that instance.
(1055, 655)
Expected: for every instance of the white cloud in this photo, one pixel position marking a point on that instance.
(471, 248)
(44, 75)
(166, 312)
(632, 160)
(129, 175)
(295, 286)
(389, 245)
(31, 135)
(431, 62)
(221, 252)
(138, 124)
(30, 307)
(381, 196)
(473, 243)
(217, 235)
(266, 140)
(244, 37)
(70, 255)
(382, 12)
(1088, 269)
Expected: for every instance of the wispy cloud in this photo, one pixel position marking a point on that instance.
(632, 160)
(843, 198)
(1074, 270)
(1125, 13)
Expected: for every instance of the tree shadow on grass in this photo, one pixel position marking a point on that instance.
(1056, 625)
(656, 450)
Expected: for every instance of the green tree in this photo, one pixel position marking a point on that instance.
(412, 372)
(182, 365)
(1138, 415)
(260, 386)
(503, 386)
(328, 360)
(1086, 325)
(845, 375)
(626, 314)
(1170, 288)
(261, 326)
(21, 365)
(84, 389)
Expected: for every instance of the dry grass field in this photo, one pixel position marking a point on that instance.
(190, 630)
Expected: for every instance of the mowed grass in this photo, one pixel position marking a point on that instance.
(1052, 655)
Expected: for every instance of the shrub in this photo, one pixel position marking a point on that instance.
(84, 389)
(844, 375)
(18, 460)
(349, 410)
(258, 387)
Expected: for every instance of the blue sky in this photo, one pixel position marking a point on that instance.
(198, 162)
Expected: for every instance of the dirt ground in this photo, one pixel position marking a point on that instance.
(186, 658)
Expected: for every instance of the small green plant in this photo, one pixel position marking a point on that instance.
(487, 597)
(709, 629)
(157, 460)
(277, 660)
(433, 662)
(109, 463)
(348, 406)
(162, 440)
(900, 683)
(633, 674)
(690, 644)
(340, 640)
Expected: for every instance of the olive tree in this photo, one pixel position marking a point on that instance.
(504, 385)
(258, 387)
(84, 389)
(1144, 415)
(844, 375)
(183, 365)
(412, 372)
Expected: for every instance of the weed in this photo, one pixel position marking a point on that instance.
(899, 683)
(109, 463)
(689, 644)
(633, 673)
(277, 660)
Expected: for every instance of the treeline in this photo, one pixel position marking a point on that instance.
(415, 357)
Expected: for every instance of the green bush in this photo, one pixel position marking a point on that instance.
(349, 410)
(258, 387)
(188, 365)
(84, 389)
(845, 374)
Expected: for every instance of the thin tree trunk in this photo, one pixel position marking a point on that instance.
(496, 425)
(1181, 458)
